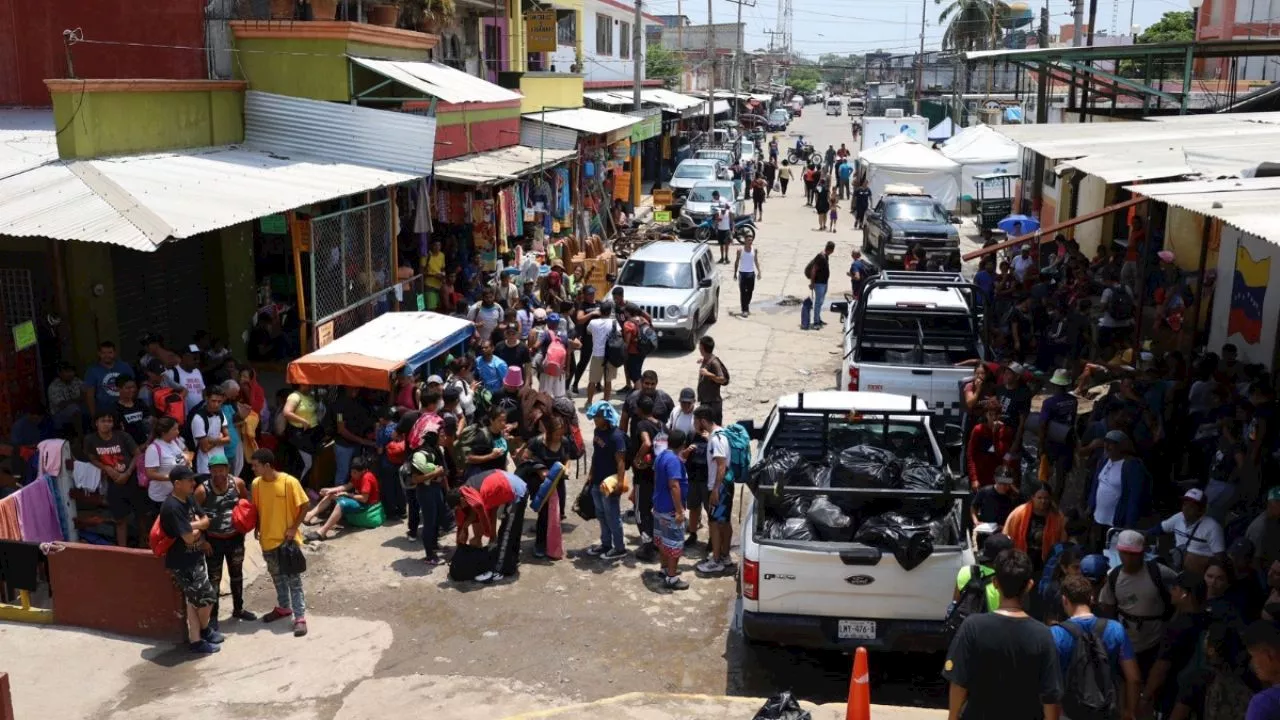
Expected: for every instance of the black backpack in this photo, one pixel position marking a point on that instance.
(1120, 304)
(973, 598)
(1157, 579)
(615, 350)
(646, 339)
(203, 411)
(1090, 689)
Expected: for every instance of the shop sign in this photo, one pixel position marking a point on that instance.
(622, 185)
(662, 216)
(24, 335)
(324, 334)
(540, 30)
(273, 225)
(301, 228)
(621, 151)
(663, 198)
(647, 127)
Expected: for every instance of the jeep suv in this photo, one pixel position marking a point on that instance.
(677, 284)
(905, 218)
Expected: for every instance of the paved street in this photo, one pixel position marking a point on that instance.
(389, 635)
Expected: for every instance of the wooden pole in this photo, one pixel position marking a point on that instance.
(395, 247)
(296, 235)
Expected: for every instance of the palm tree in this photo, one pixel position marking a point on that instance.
(974, 24)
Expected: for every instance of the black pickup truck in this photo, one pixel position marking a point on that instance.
(901, 221)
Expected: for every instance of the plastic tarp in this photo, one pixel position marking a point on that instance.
(981, 150)
(942, 130)
(903, 160)
(371, 354)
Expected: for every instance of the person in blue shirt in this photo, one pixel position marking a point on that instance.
(670, 488)
(844, 171)
(608, 459)
(985, 279)
(102, 379)
(490, 369)
(860, 271)
(1077, 594)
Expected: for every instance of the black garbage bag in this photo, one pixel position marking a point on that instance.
(936, 524)
(910, 547)
(791, 505)
(918, 475)
(864, 466)
(774, 471)
(830, 523)
(790, 529)
(782, 706)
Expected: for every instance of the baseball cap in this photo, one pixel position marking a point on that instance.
(617, 290)
(589, 290)
(1003, 478)
(1094, 566)
(1116, 436)
(687, 395)
(193, 348)
(539, 314)
(1241, 548)
(1131, 541)
(182, 472)
(218, 457)
(435, 380)
(1195, 495)
(155, 366)
(994, 545)
(451, 393)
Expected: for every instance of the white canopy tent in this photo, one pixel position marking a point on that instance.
(942, 130)
(981, 150)
(904, 160)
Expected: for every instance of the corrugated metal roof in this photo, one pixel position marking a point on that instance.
(720, 106)
(610, 98)
(27, 140)
(673, 100)
(497, 166)
(403, 142)
(1247, 204)
(1074, 140)
(584, 120)
(439, 81)
(140, 201)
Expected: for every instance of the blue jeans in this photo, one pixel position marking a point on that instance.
(342, 455)
(431, 501)
(819, 297)
(289, 594)
(609, 513)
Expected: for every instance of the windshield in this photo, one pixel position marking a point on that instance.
(915, 211)
(703, 194)
(641, 273)
(695, 171)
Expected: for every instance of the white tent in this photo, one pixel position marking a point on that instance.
(981, 150)
(904, 160)
(942, 130)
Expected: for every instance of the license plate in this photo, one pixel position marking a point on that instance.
(875, 388)
(857, 630)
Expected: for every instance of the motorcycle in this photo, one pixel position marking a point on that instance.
(797, 157)
(744, 226)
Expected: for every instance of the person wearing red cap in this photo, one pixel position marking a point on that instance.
(1137, 592)
(1197, 538)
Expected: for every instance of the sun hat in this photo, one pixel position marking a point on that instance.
(1061, 378)
(514, 378)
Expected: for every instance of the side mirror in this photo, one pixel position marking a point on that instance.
(873, 216)
(704, 282)
(753, 432)
(841, 307)
(953, 218)
(952, 436)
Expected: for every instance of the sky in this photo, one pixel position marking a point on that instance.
(842, 26)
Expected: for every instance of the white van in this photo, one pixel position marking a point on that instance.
(834, 106)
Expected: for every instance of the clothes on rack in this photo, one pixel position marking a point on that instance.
(10, 527)
(87, 477)
(38, 512)
(51, 456)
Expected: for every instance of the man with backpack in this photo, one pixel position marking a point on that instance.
(712, 375)
(1090, 649)
(1118, 306)
(728, 461)
(1137, 592)
(975, 591)
(818, 271)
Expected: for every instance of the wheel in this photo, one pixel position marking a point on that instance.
(702, 234)
(745, 233)
(793, 158)
(715, 311)
(691, 342)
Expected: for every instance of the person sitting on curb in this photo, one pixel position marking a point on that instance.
(357, 495)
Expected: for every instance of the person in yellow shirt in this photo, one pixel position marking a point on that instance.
(433, 274)
(281, 505)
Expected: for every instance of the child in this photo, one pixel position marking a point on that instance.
(831, 217)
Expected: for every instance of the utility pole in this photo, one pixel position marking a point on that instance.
(711, 86)
(680, 39)
(1088, 76)
(924, 8)
(737, 54)
(637, 55)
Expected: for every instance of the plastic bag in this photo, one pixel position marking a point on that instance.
(863, 466)
(830, 523)
(917, 475)
(782, 707)
(936, 524)
(790, 529)
(774, 471)
(910, 546)
(797, 474)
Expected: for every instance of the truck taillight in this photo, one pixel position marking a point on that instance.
(750, 580)
(853, 379)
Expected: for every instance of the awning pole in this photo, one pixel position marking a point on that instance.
(1143, 254)
(1200, 305)
(294, 234)
(395, 246)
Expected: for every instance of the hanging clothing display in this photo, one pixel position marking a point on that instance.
(20, 564)
(38, 512)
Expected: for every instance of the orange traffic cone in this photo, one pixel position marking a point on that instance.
(859, 706)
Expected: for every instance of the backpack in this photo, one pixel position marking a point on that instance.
(1153, 569)
(463, 445)
(203, 411)
(1089, 692)
(973, 599)
(739, 453)
(646, 339)
(1120, 304)
(557, 355)
(615, 350)
(159, 540)
(1050, 565)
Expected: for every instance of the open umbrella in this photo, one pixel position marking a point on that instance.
(1010, 225)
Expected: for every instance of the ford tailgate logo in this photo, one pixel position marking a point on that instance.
(860, 580)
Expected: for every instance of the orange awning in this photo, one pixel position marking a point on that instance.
(1048, 231)
(351, 369)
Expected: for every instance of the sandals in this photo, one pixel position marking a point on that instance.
(313, 536)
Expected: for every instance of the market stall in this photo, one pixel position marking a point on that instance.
(904, 160)
(372, 355)
(980, 151)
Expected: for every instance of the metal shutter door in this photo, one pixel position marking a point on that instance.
(163, 292)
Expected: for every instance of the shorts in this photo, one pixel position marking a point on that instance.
(723, 510)
(722, 237)
(195, 586)
(698, 496)
(128, 499)
(668, 534)
(351, 505)
(598, 368)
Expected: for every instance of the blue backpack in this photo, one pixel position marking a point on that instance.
(1046, 586)
(739, 453)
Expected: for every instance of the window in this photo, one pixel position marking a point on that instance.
(566, 27)
(624, 40)
(652, 274)
(604, 35)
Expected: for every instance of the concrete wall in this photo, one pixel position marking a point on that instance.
(116, 590)
(229, 277)
(1093, 194)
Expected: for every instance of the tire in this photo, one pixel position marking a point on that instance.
(793, 158)
(691, 342)
(715, 311)
(702, 234)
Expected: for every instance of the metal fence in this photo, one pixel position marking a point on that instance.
(352, 268)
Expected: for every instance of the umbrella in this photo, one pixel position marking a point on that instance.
(1028, 223)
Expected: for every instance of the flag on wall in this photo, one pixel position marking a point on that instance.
(1248, 290)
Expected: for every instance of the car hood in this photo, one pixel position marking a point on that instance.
(658, 297)
(685, 183)
(909, 226)
(704, 208)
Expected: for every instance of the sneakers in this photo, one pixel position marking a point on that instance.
(203, 647)
(434, 560)
(276, 614)
(488, 577)
(596, 550)
(212, 636)
(614, 554)
(710, 566)
(299, 627)
(647, 553)
(673, 582)
(692, 540)
(243, 614)
(539, 554)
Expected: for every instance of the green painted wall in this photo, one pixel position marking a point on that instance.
(93, 318)
(459, 117)
(229, 275)
(383, 52)
(118, 123)
(305, 68)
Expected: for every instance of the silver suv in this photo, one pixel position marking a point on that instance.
(676, 283)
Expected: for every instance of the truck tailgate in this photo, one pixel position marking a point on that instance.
(845, 580)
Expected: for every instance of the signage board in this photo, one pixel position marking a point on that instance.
(540, 30)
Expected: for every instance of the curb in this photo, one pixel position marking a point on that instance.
(753, 703)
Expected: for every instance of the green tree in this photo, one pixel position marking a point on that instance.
(804, 78)
(661, 64)
(1173, 26)
(972, 24)
(837, 68)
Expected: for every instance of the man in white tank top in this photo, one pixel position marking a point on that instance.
(746, 267)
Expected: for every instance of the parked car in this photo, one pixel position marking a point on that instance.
(779, 120)
(677, 284)
(694, 170)
(906, 216)
(725, 155)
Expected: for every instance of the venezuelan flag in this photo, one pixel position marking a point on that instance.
(1248, 291)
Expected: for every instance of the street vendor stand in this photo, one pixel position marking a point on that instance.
(372, 355)
(994, 197)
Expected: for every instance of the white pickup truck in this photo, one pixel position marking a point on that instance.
(906, 336)
(841, 595)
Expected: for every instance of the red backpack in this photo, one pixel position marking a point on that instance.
(557, 355)
(159, 540)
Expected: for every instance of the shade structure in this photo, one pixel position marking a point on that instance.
(371, 355)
